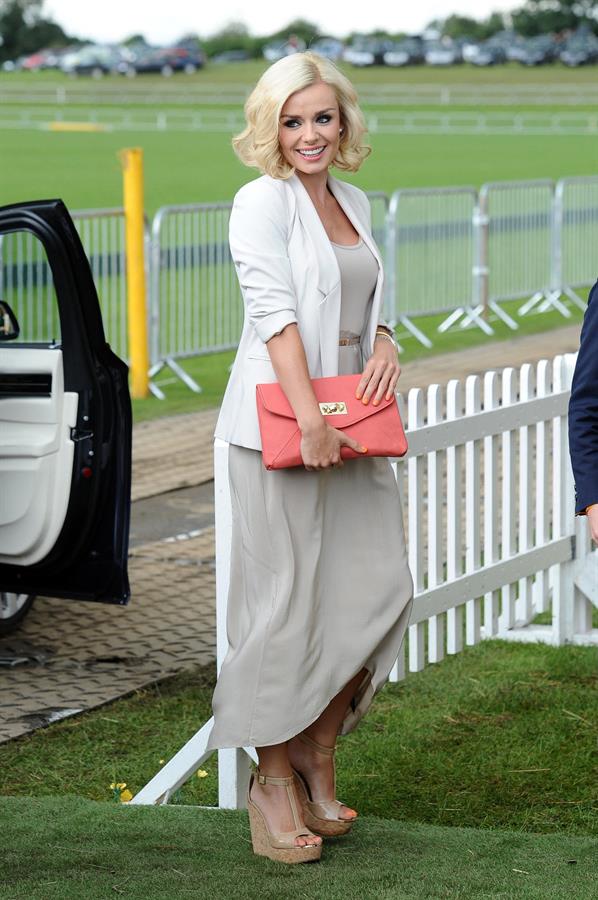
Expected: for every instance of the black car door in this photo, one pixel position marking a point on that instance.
(65, 418)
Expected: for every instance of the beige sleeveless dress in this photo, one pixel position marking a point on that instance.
(319, 585)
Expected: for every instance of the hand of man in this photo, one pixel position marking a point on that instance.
(592, 514)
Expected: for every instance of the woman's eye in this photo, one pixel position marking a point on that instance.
(292, 122)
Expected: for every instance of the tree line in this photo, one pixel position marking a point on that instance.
(24, 29)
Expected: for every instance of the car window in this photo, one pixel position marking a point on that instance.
(27, 285)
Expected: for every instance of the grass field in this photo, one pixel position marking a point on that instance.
(84, 169)
(474, 778)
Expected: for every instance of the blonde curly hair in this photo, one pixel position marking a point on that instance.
(258, 145)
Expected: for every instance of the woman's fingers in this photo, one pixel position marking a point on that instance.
(365, 378)
(382, 382)
(371, 380)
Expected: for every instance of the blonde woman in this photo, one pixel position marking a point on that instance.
(320, 589)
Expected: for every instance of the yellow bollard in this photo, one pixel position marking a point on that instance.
(132, 165)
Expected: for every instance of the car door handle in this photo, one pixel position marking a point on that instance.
(79, 434)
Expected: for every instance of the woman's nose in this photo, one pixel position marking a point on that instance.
(310, 132)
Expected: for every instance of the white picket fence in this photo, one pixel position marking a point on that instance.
(493, 541)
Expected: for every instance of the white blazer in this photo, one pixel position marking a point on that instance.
(288, 272)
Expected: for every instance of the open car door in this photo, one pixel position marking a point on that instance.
(65, 418)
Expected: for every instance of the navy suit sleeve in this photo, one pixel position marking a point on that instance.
(583, 410)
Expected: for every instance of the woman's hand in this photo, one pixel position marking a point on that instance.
(321, 446)
(380, 374)
(593, 522)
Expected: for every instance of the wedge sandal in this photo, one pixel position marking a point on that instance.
(279, 845)
(323, 816)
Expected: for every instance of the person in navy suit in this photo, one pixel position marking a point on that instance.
(583, 418)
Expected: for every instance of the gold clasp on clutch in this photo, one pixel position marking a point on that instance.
(333, 409)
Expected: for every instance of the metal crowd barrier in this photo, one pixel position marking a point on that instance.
(195, 305)
(575, 238)
(459, 251)
(27, 284)
(430, 255)
(452, 251)
(102, 233)
(514, 244)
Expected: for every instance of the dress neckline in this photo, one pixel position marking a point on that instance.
(348, 246)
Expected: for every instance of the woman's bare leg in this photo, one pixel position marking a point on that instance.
(324, 730)
(272, 798)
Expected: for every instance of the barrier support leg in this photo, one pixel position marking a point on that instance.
(450, 320)
(471, 316)
(575, 298)
(414, 330)
(185, 378)
(554, 299)
(529, 304)
(176, 370)
(501, 314)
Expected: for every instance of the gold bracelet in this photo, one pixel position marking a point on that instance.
(383, 334)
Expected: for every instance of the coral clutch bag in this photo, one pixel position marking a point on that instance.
(379, 428)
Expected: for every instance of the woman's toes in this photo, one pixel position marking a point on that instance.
(304, 841)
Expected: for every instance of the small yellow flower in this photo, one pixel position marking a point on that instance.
(125, 796)
(201, 773)
(162, 761)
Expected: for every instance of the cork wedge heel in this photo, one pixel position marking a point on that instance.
(323, 817)
(279, 845)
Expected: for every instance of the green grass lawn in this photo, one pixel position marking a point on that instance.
(501, 735)
(69, 848)
(475, 778)
(84, 170)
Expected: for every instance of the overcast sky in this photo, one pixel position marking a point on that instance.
(164, 22)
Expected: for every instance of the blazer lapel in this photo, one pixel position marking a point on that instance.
(336, 187)
(369, 332)
(328, 272)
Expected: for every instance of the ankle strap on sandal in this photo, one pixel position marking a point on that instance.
(329, 751)
(273, 779)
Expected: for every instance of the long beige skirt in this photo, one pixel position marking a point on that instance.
(319, 588)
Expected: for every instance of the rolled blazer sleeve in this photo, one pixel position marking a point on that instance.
(259, 248)
(583, 410)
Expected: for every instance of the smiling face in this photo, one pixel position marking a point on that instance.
(310, 121)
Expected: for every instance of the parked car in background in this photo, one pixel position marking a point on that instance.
(441, 54)
(95, 60)
(43, 59)
(579, 49)
(275, 51)
(488, 53)
(367, 52)
(407, 52)
(329, 47)
(65, 422)
(230, 56)
(165, 61)
(539, 50)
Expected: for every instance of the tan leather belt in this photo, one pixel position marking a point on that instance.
(349, 341)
